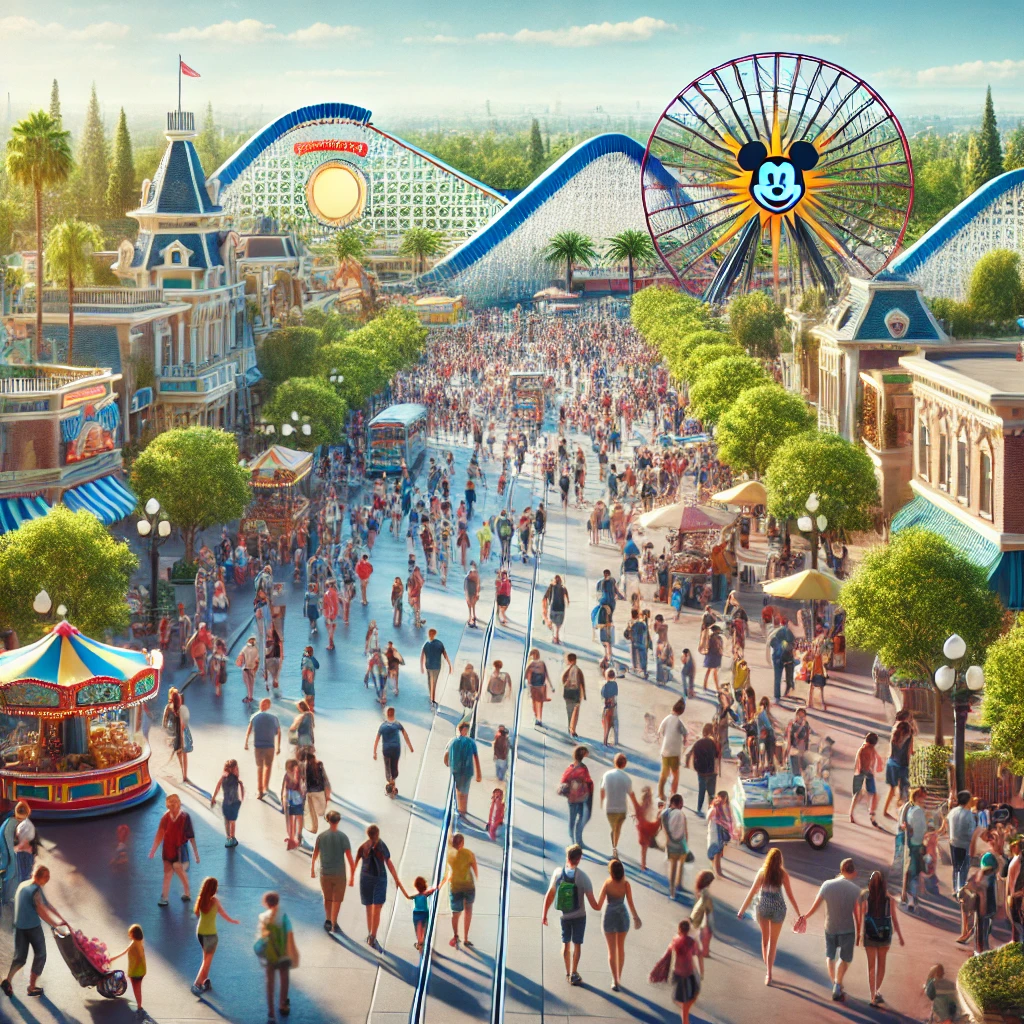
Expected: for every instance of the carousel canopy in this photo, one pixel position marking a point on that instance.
(751, 492)
(686, 518)
(278, 466)
(66, 673)
(809, 585)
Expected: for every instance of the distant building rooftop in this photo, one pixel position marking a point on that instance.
(988, 370)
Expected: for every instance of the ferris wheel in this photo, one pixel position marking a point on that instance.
(788, 172)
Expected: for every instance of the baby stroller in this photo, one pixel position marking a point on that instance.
(109, 984)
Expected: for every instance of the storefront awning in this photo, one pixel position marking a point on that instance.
(15, 511)
(107, 499)
(921, 512)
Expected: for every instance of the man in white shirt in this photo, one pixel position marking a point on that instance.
(915, 824)
(616, 788)
(672, 733)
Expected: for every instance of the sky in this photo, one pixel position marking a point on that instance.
(401, 57)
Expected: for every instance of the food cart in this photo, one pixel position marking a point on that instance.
(782, 807)
(71, 736)
(280, 482)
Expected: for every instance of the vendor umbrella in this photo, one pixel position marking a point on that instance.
(809, 585)
(667, 515)
(750, 493)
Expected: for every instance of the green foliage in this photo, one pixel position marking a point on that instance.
(1003, 705)
(121, 192)
(421, 243)
(350, 243)
(907, 597)
(55, 101)
(314, 399)
(665, 316)
(69, 248)
(93, 163)
(693, 360)
(631, 246)
(996, 293)
(288, 352)
(364, 374)
(841, 474)
(1014, 156)
(73, 557)
(938, 184)
(38, 153)
(754, 321)
(930, 762)
(959, 318)
(195, 475)
(755, 426)
(570, 247)
(722, 383)
(536, 150)
(995, 980)
(985, 155)
(396, 338)
(814, 302)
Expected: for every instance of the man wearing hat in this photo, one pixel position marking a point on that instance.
(331, 849)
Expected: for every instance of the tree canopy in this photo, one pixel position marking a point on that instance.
(288, 352)
(93, 163)
(73, 557)
(840, 473)
(314, 399)
(722, 383)
(1003, 705)
(121, 194)
(985, 155)
(754, 321)
(195, 475)
(570, 248)
(754, 427)
(694, 360)
(364, 376)
(421, 243)
(996, 293)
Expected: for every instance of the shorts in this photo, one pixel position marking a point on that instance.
(230, 809)
(458, 901)
(500, 768)
(670, 764)
(274, 664)
(897, 775)
(208, 942)
(420, 917)
(818, 681)
(616, 818)
(307, 688)
(686, 988)
(865, 779)
(462, 783)
(840, 946)
(264, 757)
(557, 618)
(373, 890)
(504, 600)
(573, 929)
(432, 674)
(538, 694)
(333, 888)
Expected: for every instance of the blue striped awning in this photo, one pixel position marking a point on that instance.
(15, 511)
(107, 499)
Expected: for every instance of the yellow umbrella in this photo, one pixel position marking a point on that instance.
(809, 585)
(751, 492)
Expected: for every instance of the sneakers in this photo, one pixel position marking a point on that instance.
(197, 990)
(837, 993)
(575, 979)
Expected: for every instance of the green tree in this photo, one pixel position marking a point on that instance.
(995, 294)
(288, 352)
(55, 102)
(754, 321)
(69, 248)
(569, 248)
(722, 383)
(121, 191)
(363, 374)
(700, 357)
(959, 317)
(93, 162)
(313, 399)
(73, 557)
(421, 243)
(1014, 157)
(536, 151)
(756, 425)
(395, 337)
(664, 316)
(631, 246)
(906, 597)
(1003, 704)
(350, 243)
(841, 474)
(938, 188)
(986, 157)
(195, 475)
(39, 157)
(207, 143)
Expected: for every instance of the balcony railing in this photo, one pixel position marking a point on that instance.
(181, 121)
(41, 381)
(95, 300)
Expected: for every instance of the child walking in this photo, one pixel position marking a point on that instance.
(231, 803)
(420, 908)
(136, 951)
(701, 912)
(496, 818)
(500, 750)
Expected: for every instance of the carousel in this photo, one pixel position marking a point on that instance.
(280, 482)
(71, 734)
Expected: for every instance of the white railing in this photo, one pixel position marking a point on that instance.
(45, 383)
(55, 300)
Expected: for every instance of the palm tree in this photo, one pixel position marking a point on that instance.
(350, 243)
(38, 157)
(69, 248)
(570, 247)
(421, 243)
(630, 246)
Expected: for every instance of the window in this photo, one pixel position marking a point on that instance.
(963, 466)
(944, 458)
(176, 256)
(924, 451)
(986, 482)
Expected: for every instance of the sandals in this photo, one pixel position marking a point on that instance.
(37, 991)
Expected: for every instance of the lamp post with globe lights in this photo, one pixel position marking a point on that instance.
(289, 427)
(157, 530)
(812, 524)
(963, 685)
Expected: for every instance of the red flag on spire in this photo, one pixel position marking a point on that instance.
(187, 71)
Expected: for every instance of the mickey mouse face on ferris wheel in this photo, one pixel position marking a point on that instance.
(776, 182)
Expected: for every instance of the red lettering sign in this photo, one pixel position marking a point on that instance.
(331, 146)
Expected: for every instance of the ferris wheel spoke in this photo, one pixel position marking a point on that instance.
(743, 93)
(729, 129)
(843, 211)
(818, 109)
(840, 106)
(825, 227)
(867, 131)
(760, 99)
(693, 131)
(698, 217)
(894, 141)
(727, 167)
(732, 106)
(696, 238)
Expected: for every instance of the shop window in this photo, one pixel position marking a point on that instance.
(963, 467)
(944, 458)
(924, 451)
(986, 482)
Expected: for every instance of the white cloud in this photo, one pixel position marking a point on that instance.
(101, 32)
(975, 72)
(17, 27)
(794, 39)
(250, 31)
(335, 73)
(438, 39)
(637, 31)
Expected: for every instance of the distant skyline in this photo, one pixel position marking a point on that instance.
(407, 59)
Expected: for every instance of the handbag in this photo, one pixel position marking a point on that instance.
(661, 971)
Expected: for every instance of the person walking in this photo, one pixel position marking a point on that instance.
(866, 762)
(672, 733)
(616, 790)
(24, 841)
(373, 858)
(840, 896)
(686, 980)
(364, 570)
(798, 740)
(618, 893)
(300, 732)
(249, 661)
(308, 668)
(504, 529)
(577, 787)
(265, 732)
(782, 643)
(461, 758)
(31, 908)
(538, 678)
(431, 656)
(913, 822)
(274, 652)
(331, 607)
(469, 686)
(390, 734)
(721, 829)
(677, 842)
(173, 835)
(877, 918)
(569, 887)
(713, 655)
(610, 709)
(771, 886)
(471, 586)
(231, 804)
(574, 691)
(136, 953)
(897, 768)
(639, 638)
(277, 952)
(461, 876)
(703, 756)
(499, 683)
(207, 908)
(554, 604)
(503, 595)
(316, 786)
(175, 722)
(332, 848)
(960, 824)
(414, 592)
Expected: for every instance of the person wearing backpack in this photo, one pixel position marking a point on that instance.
(782, 643)
(276, 950)
(577, 787)
(840, 895)
(877, 919)
(569, 886)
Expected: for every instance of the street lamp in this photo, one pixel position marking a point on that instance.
(962, 685)
(288, 427)
(814, 525)
(157, 529)
(336, 378)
